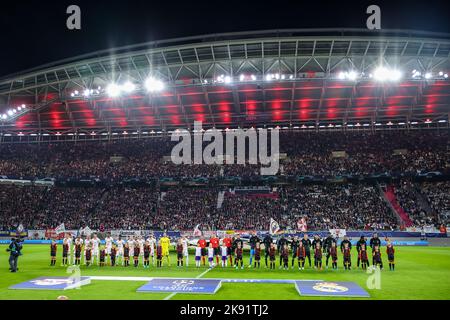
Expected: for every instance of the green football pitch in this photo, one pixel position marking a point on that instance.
(421, 273)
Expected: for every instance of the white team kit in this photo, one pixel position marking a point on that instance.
(224, 252)
(120, 244)
(184, 243)
(211, 257)
(69, 256)
(152, 243)
(198, 256)
(95, 252)
(108, 244)
(131, 244)
(140, 243)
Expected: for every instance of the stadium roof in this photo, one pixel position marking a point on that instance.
(315, 77)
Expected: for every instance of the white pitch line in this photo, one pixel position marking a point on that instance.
(197, 277)
(128, 278)
(115, 278)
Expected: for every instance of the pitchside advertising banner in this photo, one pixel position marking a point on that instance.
(205, 286)
(334, 289)
(52, 283)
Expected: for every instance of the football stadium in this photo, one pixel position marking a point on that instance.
(139, 172)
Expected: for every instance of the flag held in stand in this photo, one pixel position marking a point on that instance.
(60, 229)
(87, 231)
(302, 225)
(274, 226)
(197, 231)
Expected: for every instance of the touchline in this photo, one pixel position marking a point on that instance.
(219, 151)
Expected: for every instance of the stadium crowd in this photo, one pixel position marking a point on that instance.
(307, 154)
(324, 206)
(425, 203)
(349, 206)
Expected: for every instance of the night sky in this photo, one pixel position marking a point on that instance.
(34, 32)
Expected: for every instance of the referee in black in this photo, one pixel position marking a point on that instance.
(267, 242)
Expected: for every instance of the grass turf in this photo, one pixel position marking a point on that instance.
(421, 273)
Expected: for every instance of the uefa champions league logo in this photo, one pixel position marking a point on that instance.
(329, 287)
(183, 282)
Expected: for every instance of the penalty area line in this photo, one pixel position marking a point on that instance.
(197, 277)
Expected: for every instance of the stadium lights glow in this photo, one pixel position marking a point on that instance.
(10, 112)
(416, 73)
(224, 79)
(153, 85)
(428, 75)
(351, 75)
(4, 116)
(87, 92)
(441, 73)
(128, 87)
(384, 74)
(113, 90)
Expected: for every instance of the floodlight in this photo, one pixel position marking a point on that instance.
(352, 75)
(153, 85)
(384, 74)
(113, 90)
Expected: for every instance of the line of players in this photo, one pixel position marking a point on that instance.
(296, 248)
(120, 252)
(90, 251)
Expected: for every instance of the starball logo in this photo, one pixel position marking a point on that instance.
(221, 150)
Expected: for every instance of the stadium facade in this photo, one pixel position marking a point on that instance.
(324, 79)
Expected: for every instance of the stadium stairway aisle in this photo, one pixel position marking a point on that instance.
(390, 195)
(220, 198)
